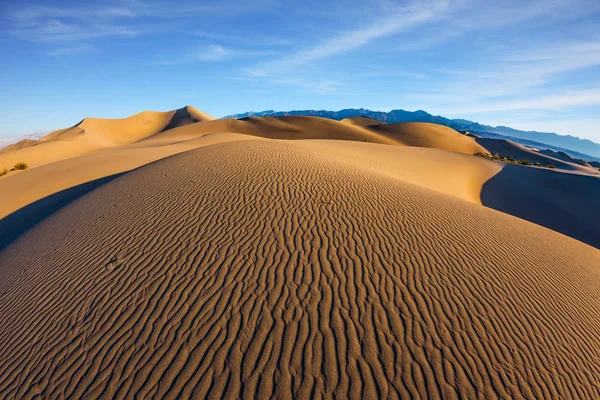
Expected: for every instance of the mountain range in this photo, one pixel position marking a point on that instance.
(577, 147)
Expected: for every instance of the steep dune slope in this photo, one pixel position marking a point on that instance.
(261, 268)
(422, 134)
(564, 202)
(518, 152)
(92, 134)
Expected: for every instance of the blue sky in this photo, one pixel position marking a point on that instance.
(526, 64)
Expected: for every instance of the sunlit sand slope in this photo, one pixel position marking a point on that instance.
(93, 134)
(422, 134)
(261, 268)
(362, 121)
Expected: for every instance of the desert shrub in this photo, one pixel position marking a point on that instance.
(551, 166)
(524, 162)
(4, 171)
(21, 165)
(537, 164)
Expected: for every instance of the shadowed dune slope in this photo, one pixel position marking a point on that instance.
(566, 203)
(561, 155)
(423, 134)
(514, 150)
(262, 268)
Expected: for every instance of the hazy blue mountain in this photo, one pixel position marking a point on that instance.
(578, 147)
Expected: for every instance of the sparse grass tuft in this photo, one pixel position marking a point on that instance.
(21, 165)
(4, 171)
(510, 160)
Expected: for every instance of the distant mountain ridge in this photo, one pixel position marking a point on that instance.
(581, 147)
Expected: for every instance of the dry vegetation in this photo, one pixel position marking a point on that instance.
(21, 165)
(510, 160)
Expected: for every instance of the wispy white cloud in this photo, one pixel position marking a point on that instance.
(215, 52)
(252, 38)
(516, 72)
(70, 50)
(313, 86)
(44, 24)
(403, 19)
(560, 101)
(119, 18)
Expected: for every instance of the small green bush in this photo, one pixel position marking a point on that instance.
(21, 165)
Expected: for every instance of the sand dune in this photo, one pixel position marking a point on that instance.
(518, 152)
(422, 134)
(460, 176)
(92, 134)
(288, 127)
(169, 255)
(267, 268)
(362, 121)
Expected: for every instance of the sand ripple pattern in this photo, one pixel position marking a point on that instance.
(261, 269)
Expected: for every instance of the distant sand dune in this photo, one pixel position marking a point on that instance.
(92, 134)
(519, 152)
(362, 121)
(422, 134)
(261, 268)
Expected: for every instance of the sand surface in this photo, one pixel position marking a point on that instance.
(222, 259)
(362, 121)
(518, 152)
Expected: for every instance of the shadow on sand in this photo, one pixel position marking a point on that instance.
(16, 224)
(566, 203)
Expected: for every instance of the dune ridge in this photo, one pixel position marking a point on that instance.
(94, 134)
(269, 268)
(518, 152)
